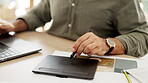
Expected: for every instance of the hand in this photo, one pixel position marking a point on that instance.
(5, 28)
(17, 26)
(90, 44)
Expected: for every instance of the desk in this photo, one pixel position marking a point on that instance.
(20, 70)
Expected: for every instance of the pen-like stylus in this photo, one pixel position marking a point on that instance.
(73, 55)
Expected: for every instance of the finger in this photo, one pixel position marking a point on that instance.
(101, 53)
(100, 49)
(7, 27)
(83, 46)
(89, 48)
(80, 40)
(96, 51)
(96, 43)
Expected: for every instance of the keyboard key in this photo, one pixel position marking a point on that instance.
(6, 51)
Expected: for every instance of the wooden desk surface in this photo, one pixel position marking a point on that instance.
(21, 68)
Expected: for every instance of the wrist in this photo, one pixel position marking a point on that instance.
(111, 45)
(119, 48)
(20, 25)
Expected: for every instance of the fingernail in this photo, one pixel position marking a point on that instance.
(73, 50)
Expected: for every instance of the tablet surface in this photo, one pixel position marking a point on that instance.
(66, 67)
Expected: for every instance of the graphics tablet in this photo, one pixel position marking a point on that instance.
(66, 67)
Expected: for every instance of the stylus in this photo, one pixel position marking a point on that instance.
(73, 55)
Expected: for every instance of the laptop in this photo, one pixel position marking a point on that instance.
(66, 67)
(12, 47)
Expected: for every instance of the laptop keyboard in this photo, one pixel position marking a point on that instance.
(6, 52)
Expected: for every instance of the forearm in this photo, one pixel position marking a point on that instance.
(37, 16)
(135, 43)
(20, 25)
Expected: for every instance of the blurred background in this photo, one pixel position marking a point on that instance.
(10, 9)
(145, 8)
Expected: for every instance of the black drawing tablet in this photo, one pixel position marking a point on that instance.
(66, 67)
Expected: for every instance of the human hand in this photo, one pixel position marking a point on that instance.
(90, 44)
(5, 28)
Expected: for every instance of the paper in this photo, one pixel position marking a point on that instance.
(143, 62)
(141, 74)
(121, 65)
(100, 77)
(62, 53)
(67, 54)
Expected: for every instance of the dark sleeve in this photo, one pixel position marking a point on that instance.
(131, 24)
(38, 16)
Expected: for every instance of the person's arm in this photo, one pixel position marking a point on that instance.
(38, 16)
(91, 44)
(133, 39)
(17, 26)
(131, 24)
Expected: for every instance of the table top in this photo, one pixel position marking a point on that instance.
(20, 69)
